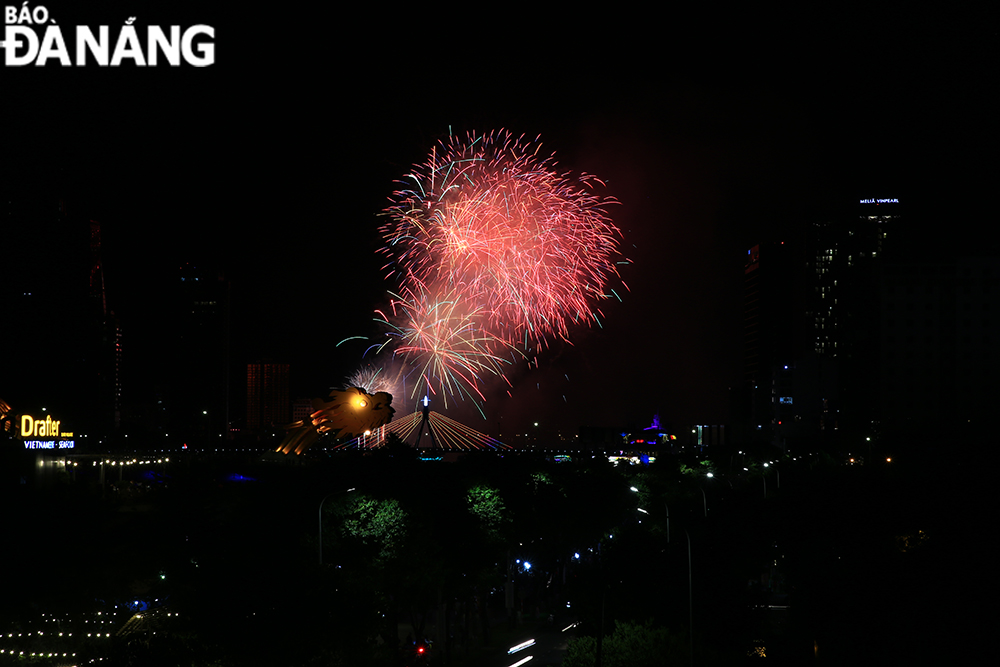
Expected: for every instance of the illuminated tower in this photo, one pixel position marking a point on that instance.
(844, 262)
(425, 422)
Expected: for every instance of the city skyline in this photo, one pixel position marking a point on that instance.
(245, 167)
(186, 249)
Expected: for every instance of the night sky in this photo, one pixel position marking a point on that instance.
(712, 131)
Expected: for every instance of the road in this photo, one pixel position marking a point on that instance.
(548, 649)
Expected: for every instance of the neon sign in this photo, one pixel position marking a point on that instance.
(879, 201)
(49, 444)
(41, 428)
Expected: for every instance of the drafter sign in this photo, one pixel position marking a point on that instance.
(41, 428)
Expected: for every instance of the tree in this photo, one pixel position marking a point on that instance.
(631, 645)
(486, 505)
(379, 525)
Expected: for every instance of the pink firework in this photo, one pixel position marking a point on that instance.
(529, 248)
(445, 341)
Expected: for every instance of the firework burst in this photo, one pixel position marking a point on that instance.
(443, 337)
(532, 248)
(374, 379)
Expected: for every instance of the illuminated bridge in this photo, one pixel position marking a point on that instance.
(444, 433)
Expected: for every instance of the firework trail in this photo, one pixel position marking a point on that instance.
(532, 248)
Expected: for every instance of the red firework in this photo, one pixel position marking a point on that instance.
(530, 248)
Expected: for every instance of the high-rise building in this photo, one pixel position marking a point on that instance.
(939, 326)
(61, 341)
(772, 337)
(268, 398)
(197, 382)
(108, 330)
(811, 328)
(845, 258)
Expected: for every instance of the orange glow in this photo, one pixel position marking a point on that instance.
(343, 414)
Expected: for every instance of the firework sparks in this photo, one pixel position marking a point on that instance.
(374, 379)
(495, 253)
(444, 337)
(531, 247)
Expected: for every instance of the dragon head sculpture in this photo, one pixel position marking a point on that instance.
(344, 413)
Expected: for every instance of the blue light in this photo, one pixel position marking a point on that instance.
(527, 565)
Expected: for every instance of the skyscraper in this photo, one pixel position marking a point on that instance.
(772, 337)
(198, 379)
(62, 343)
(939, 329)
(845, 259)
(268, 398)
(108, 331)
(811, 328)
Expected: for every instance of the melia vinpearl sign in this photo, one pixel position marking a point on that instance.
(33, 37)
(879, 201)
